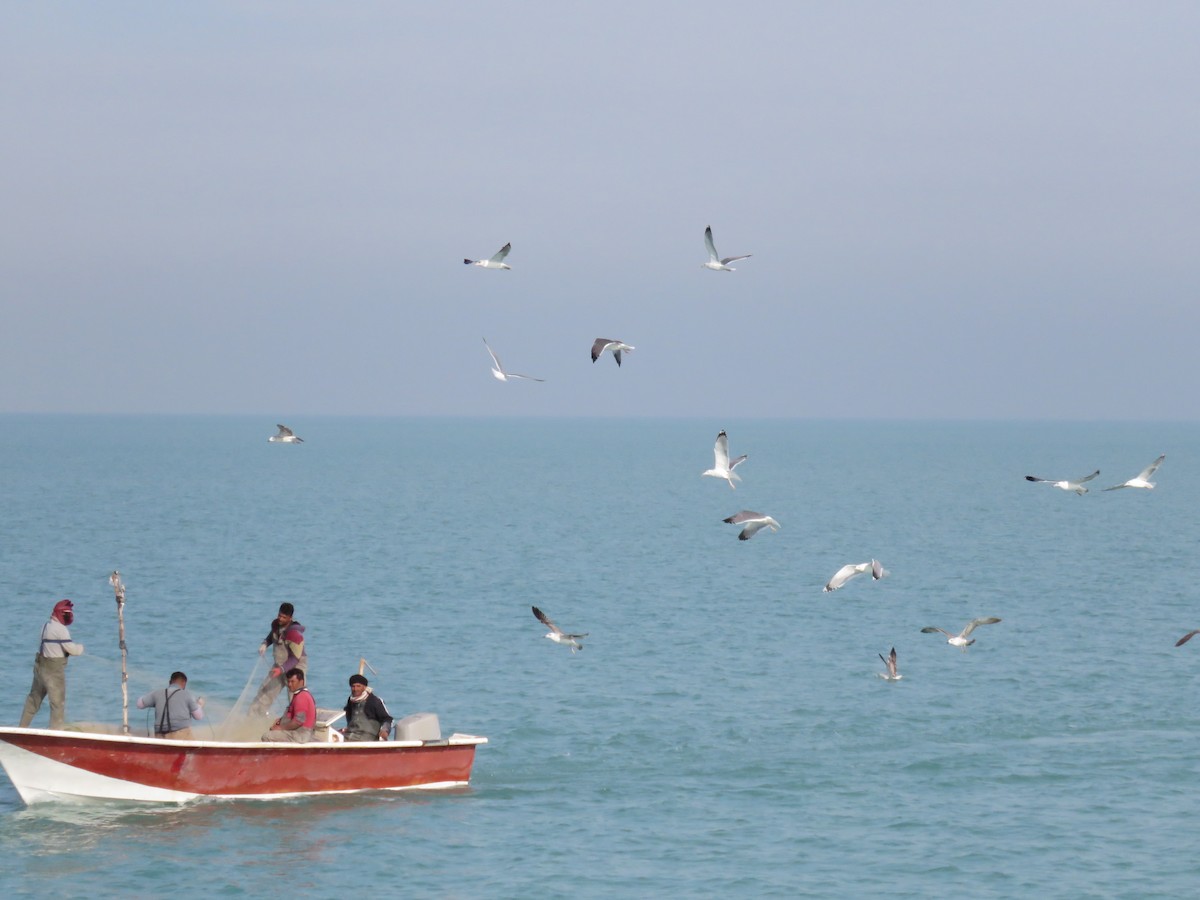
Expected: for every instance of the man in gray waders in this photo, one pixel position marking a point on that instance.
(50, 667)
(367, 718)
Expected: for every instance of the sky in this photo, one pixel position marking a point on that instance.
(955, 210)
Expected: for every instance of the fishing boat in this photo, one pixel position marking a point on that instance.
(94, 763)
(46, 765)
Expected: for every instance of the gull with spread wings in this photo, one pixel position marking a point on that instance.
(963, 639)
(722, 466)
(499, 371)
(601, 345)
(285, 436)
(557, 635)
(754, 523)
(1066, 484)
(496, 262)
(890, 662)
(715, 262)
(1142, 479)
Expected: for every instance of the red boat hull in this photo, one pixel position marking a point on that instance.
(56, 764)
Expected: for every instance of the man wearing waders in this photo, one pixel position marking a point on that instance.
(50, 667)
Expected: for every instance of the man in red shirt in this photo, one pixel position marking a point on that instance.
(297, 722)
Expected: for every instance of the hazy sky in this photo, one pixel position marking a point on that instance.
(956, 210)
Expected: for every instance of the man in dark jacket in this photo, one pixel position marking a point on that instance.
(367, 717)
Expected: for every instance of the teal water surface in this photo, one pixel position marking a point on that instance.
(724, 731)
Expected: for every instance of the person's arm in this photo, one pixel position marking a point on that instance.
(384, 717)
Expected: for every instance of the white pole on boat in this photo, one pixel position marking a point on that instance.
(363, 662)
(119, 590)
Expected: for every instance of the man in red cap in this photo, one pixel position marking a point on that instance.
(50, 667)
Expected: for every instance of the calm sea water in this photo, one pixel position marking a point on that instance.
(723, 733)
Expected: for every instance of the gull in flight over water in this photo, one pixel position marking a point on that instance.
(890, 662)
(754, 522)
(1187, 637)
(853, 570)
(722, 467)
(285, 436)
(556, 634)
(600, 345)
(1066, 484)
(496, 262)
(1141, 480)
(498, 370)
(961, 639)
(714, 262)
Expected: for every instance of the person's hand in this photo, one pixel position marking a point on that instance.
(276, 672)
(262, 648)
(200, 702)
(383, 735)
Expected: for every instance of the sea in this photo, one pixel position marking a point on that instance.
(723, 732)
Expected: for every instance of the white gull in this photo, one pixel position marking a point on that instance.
(853, 570)
(600, 345)
(961, 639)
(714, 262)
(1066, 484)
(722, 467)
(285, 436)
(496, 262)
(754, 522)
(498, 370)
(1141, 480)
(556, 634)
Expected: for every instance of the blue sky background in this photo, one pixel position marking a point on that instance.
(956, 210)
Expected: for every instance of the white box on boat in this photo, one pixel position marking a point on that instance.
(419, 727)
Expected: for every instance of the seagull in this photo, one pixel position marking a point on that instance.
(1066, 484)
(960, 639)
(617, 348)
(852, 570)
(1187, 637)
(722, 467)
(285, 436)
(754, 522)
(1141, 480)
(496, 262)
(498, 369)
(844, 574)
(715, 263)
(556, 633)
(890, 662)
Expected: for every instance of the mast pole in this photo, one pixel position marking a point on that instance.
(119, 590)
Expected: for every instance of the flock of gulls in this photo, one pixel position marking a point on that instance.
(752, 522)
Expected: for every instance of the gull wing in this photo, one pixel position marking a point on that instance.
(1086, 477)
(526, 377)
(727, 260)
(1187, 637)
(744, 516)
(546, 620)
(708, 242)
(501, 253)
(737, 462)
(284, 431)
(975, 623)
(1035, 478)
(599, 346)
(721, 452)
(930, 629)
(877, 570)
(890, 662)
(1152, 468)
(495, 358)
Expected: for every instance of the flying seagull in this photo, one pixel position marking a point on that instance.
(617, 347)
(961, 639)
(496, 262)
(498, 370)
(714, 262)
(722, 467)
(890, 662)
(754, 522)
(1066, 484)
(853, 570)
(556, 634)
(1141, 480)
(285, 436)
(1187, 637)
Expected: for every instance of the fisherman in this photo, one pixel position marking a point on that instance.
(173, 707)
(298, 720)
(367, 718)
(286, 638)
(50, 667)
